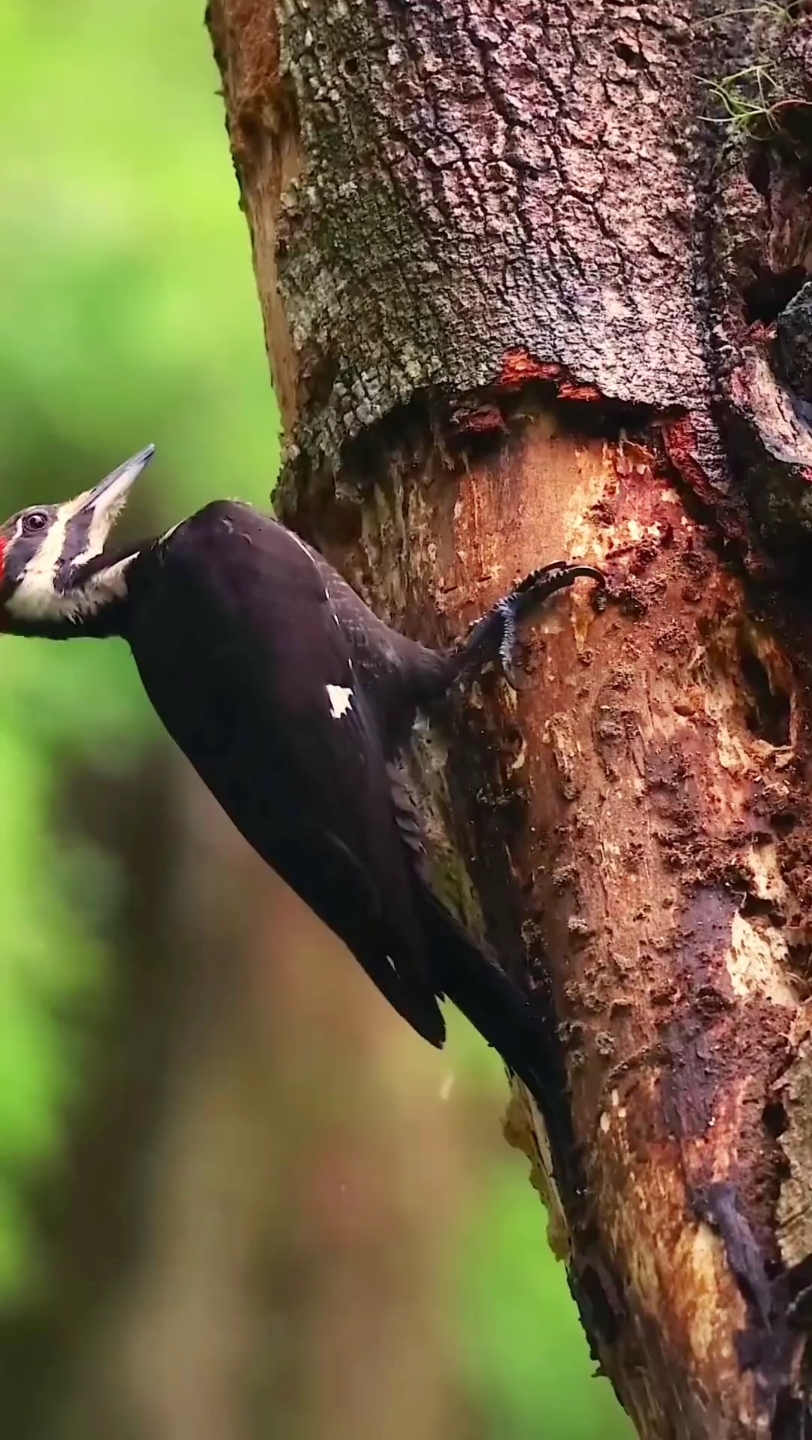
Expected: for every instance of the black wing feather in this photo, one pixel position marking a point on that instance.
(250, 643)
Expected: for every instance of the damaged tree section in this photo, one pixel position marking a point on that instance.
(524, 302)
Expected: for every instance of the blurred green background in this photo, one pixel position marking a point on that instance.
(170, 1266)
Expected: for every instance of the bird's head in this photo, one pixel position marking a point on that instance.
(56, 576)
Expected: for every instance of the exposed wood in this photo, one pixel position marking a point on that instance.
(520, 304)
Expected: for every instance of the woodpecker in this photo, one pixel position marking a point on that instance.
(293, 702)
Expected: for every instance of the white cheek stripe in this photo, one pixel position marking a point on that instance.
(107, 585)
(36, 598)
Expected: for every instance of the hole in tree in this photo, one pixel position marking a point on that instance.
(770, 291)
(758, 170)
(755, 905)
(635, 59)
(597, 1302)
(323, 377)
(768, 712)
(799, 955)
(775, 1119)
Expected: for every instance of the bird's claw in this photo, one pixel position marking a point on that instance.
(507, 645)
(539, 585)
(510, 676)
(493, 639)
(532, 591)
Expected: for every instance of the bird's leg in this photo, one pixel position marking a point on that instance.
(493, 638)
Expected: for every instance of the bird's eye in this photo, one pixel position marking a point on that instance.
(35, 520)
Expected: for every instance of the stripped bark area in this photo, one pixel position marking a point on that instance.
(523, 304)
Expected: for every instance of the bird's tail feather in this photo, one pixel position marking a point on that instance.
(465, 974)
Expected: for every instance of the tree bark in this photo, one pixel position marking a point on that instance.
(521, 303)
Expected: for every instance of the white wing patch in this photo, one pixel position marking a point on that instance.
(340, 697)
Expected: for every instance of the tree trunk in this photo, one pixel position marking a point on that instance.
(521, 302)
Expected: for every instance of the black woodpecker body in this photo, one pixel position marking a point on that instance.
(293, 703)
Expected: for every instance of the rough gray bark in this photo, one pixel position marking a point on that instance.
(520, 304)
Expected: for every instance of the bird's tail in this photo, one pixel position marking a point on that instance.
(465, 974)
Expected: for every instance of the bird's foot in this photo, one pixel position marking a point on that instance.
(494, 637)
(507, 644)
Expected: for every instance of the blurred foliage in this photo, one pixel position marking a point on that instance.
(523, 1351)
(128, 314)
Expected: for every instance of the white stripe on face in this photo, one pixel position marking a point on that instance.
(106, 585)
(50, 587)
(37, 597)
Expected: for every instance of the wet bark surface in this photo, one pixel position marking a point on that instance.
(523, 303)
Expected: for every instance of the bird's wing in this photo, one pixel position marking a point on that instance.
(269, 627)
(402, 673)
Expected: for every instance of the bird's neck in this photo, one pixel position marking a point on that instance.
(103, 591)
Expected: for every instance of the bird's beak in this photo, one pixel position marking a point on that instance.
(108, 497)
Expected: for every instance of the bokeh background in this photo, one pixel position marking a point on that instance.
(238, 1198)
